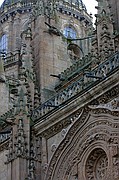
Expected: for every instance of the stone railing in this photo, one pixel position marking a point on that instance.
(4, 136)
(18, 5)
(75, 11)
(12, 58)
(85, 82)
(76, 68)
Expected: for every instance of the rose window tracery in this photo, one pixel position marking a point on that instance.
(97, 165)
(101, 167)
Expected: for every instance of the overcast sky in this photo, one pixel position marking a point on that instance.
(90, 4)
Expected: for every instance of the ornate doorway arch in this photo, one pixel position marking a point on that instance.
(86, 152)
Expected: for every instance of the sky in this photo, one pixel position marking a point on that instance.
(90, 4)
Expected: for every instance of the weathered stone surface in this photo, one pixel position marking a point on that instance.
(59, 97)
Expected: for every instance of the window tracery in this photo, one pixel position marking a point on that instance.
(101, 167)
(69, 32)
(3, 44)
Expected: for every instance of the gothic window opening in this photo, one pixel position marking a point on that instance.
(3, 44)
(69, 32)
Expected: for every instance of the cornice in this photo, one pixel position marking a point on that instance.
(103, 92)
(13, 10)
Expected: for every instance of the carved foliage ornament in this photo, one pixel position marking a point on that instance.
(83, 145)
(97, 165)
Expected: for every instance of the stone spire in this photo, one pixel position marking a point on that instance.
(102, 4)
(19, 145)
(104, 32)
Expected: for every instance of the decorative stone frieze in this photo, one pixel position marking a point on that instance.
(91, 134)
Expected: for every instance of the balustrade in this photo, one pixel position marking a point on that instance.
(99, 73)
(11, 59)
(4, 136)
(17, 5)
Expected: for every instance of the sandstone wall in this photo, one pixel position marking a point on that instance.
(3, 166)
(4, 98)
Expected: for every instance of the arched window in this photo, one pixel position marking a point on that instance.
(3, 44)
(69, 32)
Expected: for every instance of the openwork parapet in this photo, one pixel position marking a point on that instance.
(86, 82)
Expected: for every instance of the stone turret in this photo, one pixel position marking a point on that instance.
(19, 145)
(104, 40)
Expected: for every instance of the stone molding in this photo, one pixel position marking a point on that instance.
(72, 108)
(101, 137)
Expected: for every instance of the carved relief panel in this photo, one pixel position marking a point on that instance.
(97, 165)
(86, 151)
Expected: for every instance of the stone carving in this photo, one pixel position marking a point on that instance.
(116, 167)
(19, 148)
(101, 168)
(97, 164)
(45, 167)
(63, 132)
(80, 85)
(61, 125)
(34, 156)
(114, 104)
(102, 135)
(4, 146)
(53, 147)
(47, 8)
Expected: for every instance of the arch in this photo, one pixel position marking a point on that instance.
(3, 44)
(88, 134)
(69, 32)
(97, 165)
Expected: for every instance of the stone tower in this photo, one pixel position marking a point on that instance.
(55, 24)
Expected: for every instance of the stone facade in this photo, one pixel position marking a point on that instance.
(59, 91)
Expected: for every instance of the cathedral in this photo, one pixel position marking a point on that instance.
(59, 90)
